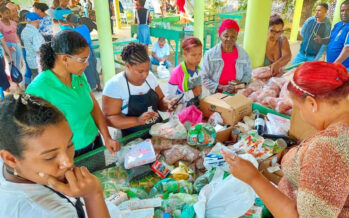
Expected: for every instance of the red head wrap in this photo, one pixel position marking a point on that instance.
(228, 24)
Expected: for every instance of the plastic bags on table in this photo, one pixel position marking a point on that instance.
(223, 198)
(181, 152)
(173, 129)
(167, 186)
(191, 114)
(202, 134)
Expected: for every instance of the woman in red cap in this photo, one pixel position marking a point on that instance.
(316, 173)
(226, 64)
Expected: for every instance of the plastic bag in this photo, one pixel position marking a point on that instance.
(161, 144)
(179, 203)
(181, 152)
(166, 186)
(203, 180)
(277, 125)
(215, 119)
(173, 129)
(261, 73)
(141, 154)
(139, 172)
(135, 192)
(201, 134)
(191, 114)
(229, 197)
(15, 74)
(120, 155)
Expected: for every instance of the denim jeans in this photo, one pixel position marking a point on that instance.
(156, 62)
(16, 56)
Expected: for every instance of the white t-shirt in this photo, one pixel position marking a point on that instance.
(18, 200)
(116, 87)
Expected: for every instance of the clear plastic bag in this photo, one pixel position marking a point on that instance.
(202, 134)
(141, 154)
(173, 129)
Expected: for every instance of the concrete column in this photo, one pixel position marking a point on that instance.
(256, 30)
(117, 13)
(105, 39)
(296, 20)
(199, 19)
(336, 15)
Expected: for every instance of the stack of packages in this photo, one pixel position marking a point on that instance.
(270, 91)
(180, 171)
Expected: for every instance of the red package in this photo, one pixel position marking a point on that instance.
(160, 169)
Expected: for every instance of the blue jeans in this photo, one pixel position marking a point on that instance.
(300, 57)
(28, 73)
(16, 56)
(156, 62)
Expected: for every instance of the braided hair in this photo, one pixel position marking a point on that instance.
(24, 116)
(135, 53)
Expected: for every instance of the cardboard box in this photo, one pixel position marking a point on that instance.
(299, 129)
(231, 108)
(224, 135)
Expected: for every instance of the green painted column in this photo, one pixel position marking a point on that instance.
(337, 11)
(117, 13)
(199, 19)
(105, 39)
(296, 20)
(256, 30)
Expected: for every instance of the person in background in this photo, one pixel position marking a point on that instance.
(112, 15)
(37, 173)
(51, 10)
(4, 83)
(87, 7)
(9, 29)
(45, 27)
(76, 8)
(226, 62)
(21, 25)
(64, 85)
(91, 70)
(338, 42)
(316, 173)
(314, 27)
(160, 53)
(128, 96)
(62, 11)
(278, 52)
(32, 40)
(14, 8)
(186, 78)
(143, 20)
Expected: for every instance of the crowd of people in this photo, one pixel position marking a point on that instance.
(58, 117)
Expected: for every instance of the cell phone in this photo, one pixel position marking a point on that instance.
(177, 102)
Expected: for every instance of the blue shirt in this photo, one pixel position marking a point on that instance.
(1, 50)
(338, 39)
(311, 27)
(60, 13)
(45, 27)
(161, 52)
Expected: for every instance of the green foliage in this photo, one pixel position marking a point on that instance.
(213, 6)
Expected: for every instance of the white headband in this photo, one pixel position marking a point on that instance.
(300, 89)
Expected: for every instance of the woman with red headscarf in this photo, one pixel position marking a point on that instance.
(227, 63)
(316, 173)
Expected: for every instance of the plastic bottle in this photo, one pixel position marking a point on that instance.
(259, 123)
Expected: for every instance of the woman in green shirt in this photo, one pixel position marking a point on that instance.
(63, 84)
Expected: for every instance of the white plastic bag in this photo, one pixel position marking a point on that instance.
(173, 129)
(277, 125)
(225, 198)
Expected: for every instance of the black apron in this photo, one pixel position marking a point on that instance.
(137, 105)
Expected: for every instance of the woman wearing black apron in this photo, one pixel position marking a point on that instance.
(132, 99)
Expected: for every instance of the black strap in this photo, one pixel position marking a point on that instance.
(78, 205)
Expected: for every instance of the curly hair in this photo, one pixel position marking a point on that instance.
(135, 53)
(65, 42)
(24, 116)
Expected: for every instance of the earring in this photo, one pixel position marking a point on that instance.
(15, 172)
(313, 110)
